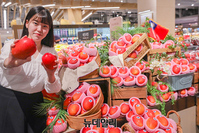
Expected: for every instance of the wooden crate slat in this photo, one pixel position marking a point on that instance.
(128, 92)
(143, 101)
(196, 87)
(146, 48)
(148, 73)
(118, 102)
(181, 104)
(195, 77)
(190, 101)
(162, 50)
(197, 110)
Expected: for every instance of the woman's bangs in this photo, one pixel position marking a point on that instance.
(42, 17)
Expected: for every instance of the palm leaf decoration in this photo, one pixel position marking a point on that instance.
(113, 85)
(42, 109)
(62, 114)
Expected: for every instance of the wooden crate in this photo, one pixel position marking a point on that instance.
(162, 50)
(195, 77)
(146, 48)
(196, 87)
(148, 74)
(197, 110)
(104, 84)
(124, 93)
(195, 82)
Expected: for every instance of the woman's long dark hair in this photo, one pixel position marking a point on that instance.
(46, 18)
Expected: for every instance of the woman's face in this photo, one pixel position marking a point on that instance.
(37, 30)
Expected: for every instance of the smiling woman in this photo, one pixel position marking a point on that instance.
(22, 80)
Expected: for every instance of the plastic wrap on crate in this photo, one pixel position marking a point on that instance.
(178, 82)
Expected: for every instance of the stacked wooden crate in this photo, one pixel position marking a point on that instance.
(123, 94)
(195, 81)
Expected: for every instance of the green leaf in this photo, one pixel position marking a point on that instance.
(159, 72)
(155, 93)
(60, 115)
(183, 55)
(152, 71)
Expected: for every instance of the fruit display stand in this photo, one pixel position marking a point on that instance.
(123, 93)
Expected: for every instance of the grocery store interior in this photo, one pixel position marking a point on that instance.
(71, 17)
(92, 12)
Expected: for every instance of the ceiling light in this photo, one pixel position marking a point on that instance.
(52, 13)
(121, 0)
(129, 11)
(48, 5)
(5, 19)
(144, 12)
(178, 4)
(192, 4)
(100, 8)
(27, 4)
(83, 12)
(109, 0)
(74, 7)
(2, 3)
(7, 4)
(87, 16)
(64, 8)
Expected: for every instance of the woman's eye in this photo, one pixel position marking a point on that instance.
(35, 23)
